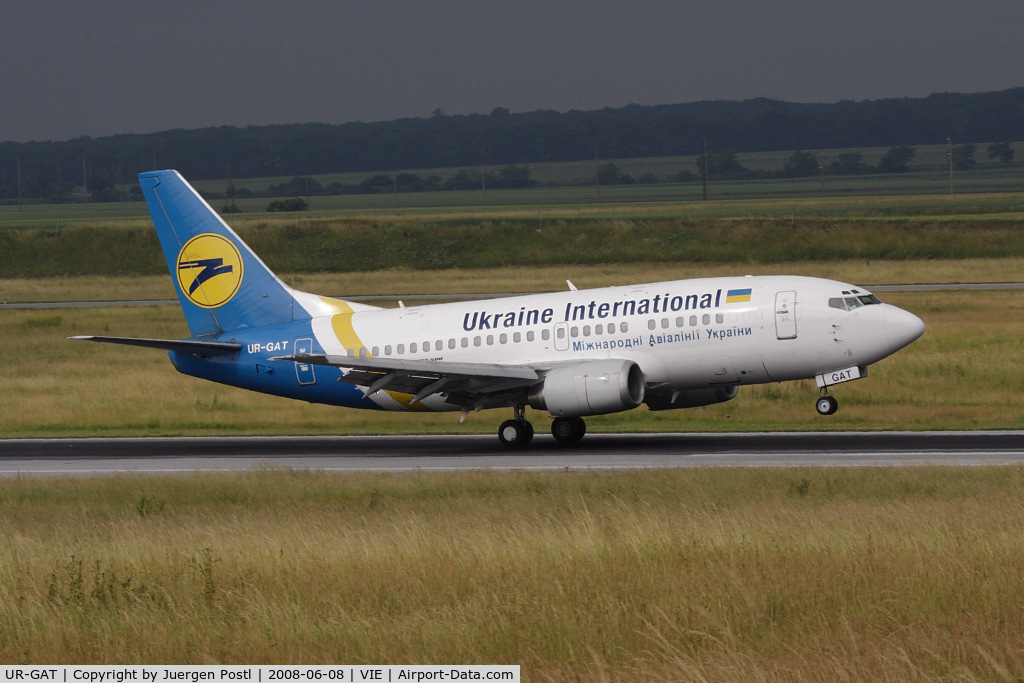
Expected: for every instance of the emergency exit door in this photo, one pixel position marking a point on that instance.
(304, 371)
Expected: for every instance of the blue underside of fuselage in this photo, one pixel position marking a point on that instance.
(280, 378)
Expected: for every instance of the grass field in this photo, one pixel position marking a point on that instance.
(704, 574)
(664, 575)
(963, 374)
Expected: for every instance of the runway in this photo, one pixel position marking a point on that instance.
(105, 457)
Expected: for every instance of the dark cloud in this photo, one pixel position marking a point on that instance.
(71, 68)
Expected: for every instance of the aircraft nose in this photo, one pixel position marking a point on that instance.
(901, 327)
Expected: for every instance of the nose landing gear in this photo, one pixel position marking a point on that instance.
(826, 405)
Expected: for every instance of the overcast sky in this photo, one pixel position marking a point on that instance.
(71, 68)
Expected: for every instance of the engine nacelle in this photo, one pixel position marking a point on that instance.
(691, 398)
(592, 388)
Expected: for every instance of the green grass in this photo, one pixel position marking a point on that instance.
(963, 374)
(771, 233)
(712, 574)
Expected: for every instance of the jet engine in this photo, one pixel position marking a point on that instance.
(690, 398)
(592, 388)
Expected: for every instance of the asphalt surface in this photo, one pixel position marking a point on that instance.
(78, 457)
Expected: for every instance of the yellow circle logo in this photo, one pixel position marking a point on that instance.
(209, 270)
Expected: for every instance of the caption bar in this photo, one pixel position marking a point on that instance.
(257, 674)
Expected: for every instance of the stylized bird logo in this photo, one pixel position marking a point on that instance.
(211, 267)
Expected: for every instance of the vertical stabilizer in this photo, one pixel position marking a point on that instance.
(222, 285)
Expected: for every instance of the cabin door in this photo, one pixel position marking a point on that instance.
(785, 315)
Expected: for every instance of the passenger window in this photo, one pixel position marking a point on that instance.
(623, 327)
(503, 338)
(529, 336)
(476, 341)
(719, 318)
(586, 330)
(546, 335)
(706, 319)
(387, 350)
(490, 340)
(664, 323)
(680, 322)
(465, 342)
(376, 351)
(401, 348)
(451, 343)
(693, 321)
(517, 337)
(651, 324)
(560, 332)
(574, 332)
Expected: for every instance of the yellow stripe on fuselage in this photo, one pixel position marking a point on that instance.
(341, 323)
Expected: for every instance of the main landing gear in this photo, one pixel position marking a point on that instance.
(517, 432)
(826, 405)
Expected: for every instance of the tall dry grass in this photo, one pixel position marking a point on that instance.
(715, 574)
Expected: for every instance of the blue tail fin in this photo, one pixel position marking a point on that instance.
(221, 283)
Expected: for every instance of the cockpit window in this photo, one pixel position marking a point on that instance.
(849, 303)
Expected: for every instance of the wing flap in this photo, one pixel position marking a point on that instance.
(465, 384)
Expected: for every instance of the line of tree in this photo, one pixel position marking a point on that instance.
(49, 169)
(723, 165)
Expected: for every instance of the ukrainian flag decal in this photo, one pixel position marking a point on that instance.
(737, 296)
(209, 270)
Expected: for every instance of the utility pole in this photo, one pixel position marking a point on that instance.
(821, 167)
(704, 175)
(597, 174)
(949, 153)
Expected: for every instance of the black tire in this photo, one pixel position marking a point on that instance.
(826, 405)
(515, 433)
(568, 429)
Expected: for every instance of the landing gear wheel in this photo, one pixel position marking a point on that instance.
(826, 405)
(515, 433)
(568, 429)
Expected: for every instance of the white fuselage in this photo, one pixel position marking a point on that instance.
(685, 334)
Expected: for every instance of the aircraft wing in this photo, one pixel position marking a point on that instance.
(470, 385)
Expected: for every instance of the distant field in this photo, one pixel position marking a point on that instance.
(753, 231)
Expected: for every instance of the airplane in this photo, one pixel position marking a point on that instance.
(573, 353)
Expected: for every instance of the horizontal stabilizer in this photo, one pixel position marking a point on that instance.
(197, 347)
